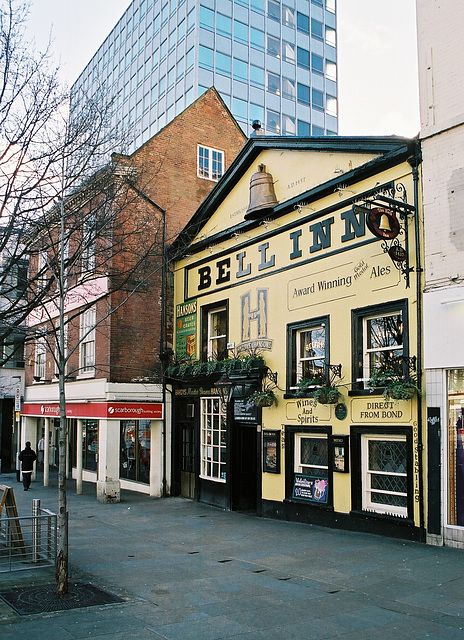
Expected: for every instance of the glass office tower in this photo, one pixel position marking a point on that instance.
(273, 61)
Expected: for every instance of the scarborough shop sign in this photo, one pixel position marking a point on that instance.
(111, 410)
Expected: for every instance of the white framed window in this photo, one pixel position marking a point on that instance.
(217, 333)
(312, 454)
(40, 359)
(87, 342)
(57, 337)
(88, 246)
(384, 474)
(42, 269)
(308, 345)
(382, 343)
(210, 163)
(213, 439)
(310, 352)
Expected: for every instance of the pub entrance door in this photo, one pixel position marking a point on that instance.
(244, 467)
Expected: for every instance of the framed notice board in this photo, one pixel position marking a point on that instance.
(340, 447)
(271, 451)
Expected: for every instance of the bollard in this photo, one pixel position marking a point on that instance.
(35, 530)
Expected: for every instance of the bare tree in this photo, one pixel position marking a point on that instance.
(79, 217)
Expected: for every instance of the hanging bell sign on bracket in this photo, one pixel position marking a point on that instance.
(262, 195)
(383, 223)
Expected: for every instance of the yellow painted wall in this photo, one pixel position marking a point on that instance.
(332, 281)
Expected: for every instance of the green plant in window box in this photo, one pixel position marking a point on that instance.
(306, 385)
(243, 363)
(198, 369)
(327, 395)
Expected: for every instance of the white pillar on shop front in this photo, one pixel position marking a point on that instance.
(79, 442)
(108, 485)
(46, 452)
(156, 459)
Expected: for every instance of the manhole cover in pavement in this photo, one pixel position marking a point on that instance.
(44, 597)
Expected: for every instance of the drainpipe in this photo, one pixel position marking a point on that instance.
(415, 162)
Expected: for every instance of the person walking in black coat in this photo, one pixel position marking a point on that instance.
(27, 457)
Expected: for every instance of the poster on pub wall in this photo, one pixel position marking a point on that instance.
(311, 488)
(186, 330)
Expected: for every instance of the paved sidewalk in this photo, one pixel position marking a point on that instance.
(189, 571)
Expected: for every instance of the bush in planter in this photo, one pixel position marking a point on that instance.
(327, 395)
(265, 398)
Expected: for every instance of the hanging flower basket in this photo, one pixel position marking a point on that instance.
(263, 398)
(327, 395)
(401, 390)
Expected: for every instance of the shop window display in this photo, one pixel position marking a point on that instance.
(455, 447)
(89, 444)
(135, 450)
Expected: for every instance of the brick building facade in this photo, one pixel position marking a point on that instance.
(117, 415)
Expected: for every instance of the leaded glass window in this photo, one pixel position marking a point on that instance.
(311, 454)
(385, 474)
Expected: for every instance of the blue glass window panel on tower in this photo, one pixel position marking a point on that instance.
(302, 22)
(223, 63)
(223, 25)
(206, 18)
(304, 129)
(205, 57)
(316, 29)
(256, 76)
(317, 99)
(240, 108)
(257, 38)
(303, 94)
(302, 57)
(317, 63)
(240, 70)
(240, 32)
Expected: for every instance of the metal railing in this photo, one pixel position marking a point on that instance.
(28, 542)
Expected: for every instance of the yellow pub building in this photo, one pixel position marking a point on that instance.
(296, 375)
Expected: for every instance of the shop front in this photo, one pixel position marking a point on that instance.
(216, 442)
(116, 445)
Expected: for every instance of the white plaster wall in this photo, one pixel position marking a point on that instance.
(444, 328)
(440, 56)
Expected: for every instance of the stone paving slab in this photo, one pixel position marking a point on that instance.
(190, 571)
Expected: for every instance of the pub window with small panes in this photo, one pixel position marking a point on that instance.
(214, 332)
(308, 472)
(380, 339)
(382, 476)
(308, 348)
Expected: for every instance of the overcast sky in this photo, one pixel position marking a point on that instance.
(377, 57)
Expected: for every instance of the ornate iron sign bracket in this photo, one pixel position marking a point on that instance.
(387, 219)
